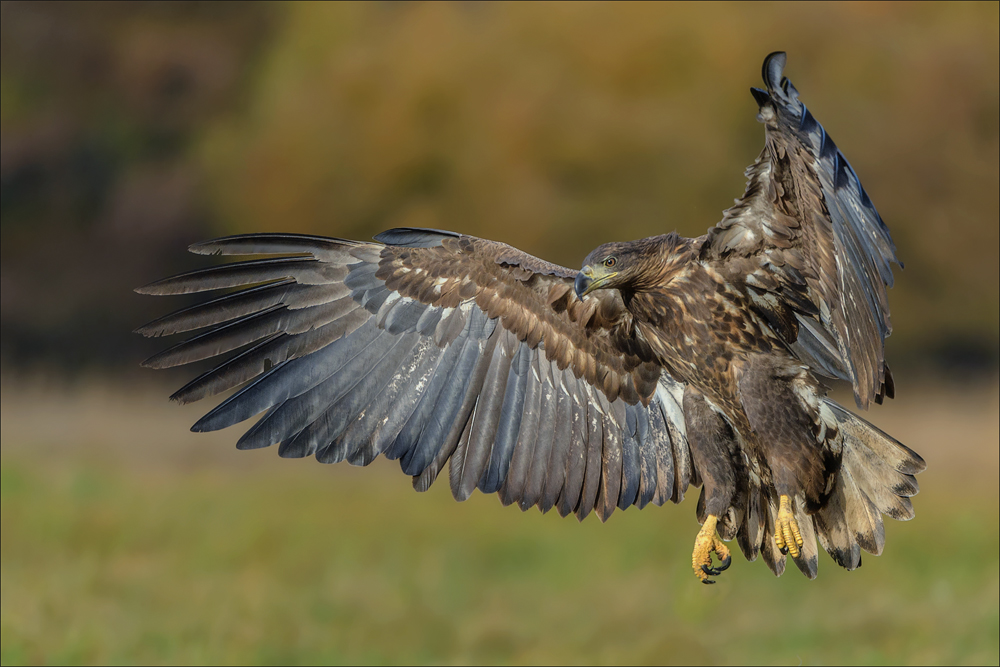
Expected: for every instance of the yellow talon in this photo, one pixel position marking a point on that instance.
(708, 540)
(786, 532)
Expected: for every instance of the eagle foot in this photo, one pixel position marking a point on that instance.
(708, 540)
(786, 533)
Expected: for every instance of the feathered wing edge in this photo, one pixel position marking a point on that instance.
(344, 367)
(814, 253)
(864, 249)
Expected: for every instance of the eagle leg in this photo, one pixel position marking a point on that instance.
(786, 531)
(708, 540)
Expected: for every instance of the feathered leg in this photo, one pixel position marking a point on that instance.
(712, 447)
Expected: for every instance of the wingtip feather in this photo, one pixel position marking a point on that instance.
(760, 95)
(773, 67)
(156, 288)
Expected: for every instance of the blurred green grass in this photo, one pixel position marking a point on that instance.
(115, 551)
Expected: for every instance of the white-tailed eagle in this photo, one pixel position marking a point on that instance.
(664, 363)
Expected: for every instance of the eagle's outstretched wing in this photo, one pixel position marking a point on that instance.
(428, 347)
(809, 245)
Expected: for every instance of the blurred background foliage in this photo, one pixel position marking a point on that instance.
(131, 130)
(128, 131)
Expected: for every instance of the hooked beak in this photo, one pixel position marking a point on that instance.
(586, 281)
(583, 283)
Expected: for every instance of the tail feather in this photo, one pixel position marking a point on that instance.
(753, 529)
(893, 453)
(875, 478)
(834, 531)
(862, 516)
(881, 486)
(808, 559)
(768, 547)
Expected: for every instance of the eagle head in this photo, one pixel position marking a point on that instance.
(632, 266)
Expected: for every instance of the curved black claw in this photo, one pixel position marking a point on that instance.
(724, 565)
(784, 551)
(716, 571)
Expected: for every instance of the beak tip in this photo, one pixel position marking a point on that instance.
(581, 285)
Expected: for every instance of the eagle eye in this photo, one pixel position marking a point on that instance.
(610, 262)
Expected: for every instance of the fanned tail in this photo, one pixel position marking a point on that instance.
(876, 477)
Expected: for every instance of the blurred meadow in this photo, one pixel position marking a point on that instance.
(128, 131)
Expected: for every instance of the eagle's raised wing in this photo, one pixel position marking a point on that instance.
(809, 245)
(430, 347)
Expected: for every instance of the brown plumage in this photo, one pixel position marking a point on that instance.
(665, 362)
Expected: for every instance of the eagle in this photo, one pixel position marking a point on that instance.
(664, 363)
